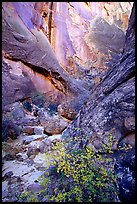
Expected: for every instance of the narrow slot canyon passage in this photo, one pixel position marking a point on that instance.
(68, 102)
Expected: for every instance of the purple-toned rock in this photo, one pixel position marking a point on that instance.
(28, 129)
(38, 130)
(35, 187)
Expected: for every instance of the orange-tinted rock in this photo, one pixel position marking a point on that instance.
(90, 34)
(84, 37)
(54, 124)
(110, 108)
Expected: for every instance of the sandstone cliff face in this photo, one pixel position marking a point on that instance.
(111, 103)
(110, 110)
(30, 67)
(60, 55)
(88, 34)
(68, 73)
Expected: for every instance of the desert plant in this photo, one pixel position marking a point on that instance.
(79, 176)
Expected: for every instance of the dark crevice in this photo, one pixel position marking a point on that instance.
(47, 133)
(23, 99)
(125, 135)
(125, 56)
(130, 76)
(44, 72)
(70, 4)
(50, 20)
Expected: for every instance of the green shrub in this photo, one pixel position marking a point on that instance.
(79, 176)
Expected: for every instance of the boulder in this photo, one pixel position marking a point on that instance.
(28, 139)
(29, 120)
(10, 129)
(10, 151)
(52, 139)
(14, 85)
(21, 156)
(130, 123)
(35, 187)
(28, 129)
(54, 124)
(32, 151)
(38, 130)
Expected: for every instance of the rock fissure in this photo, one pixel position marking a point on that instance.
(110, 90)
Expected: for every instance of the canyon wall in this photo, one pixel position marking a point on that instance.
(88, 34)
(72, 61)
(108, 117)
(84, 37)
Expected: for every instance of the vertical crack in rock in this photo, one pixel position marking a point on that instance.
(50, 19)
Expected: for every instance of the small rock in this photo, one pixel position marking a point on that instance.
(29, 162)
(13, 199)
(3, 153)
(35, 187)
(32, 156)
(9, 157)
(28, 139)
(38, 130)
(4, 193)
(29, 120)
(130, 123)
(42, 149)
(40, 160)
(97, 144)
(8, 174)
(41, 168)
(45, 200)
(32, 151)
(14, 180)
(21, 156)
(52, 139)
(28, 129)
(47, 142)
(89, 145)
(5, 200)
(36, 144)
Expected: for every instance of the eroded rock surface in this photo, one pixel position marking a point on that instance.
(98, 26)
(93, 63)
(110, 106)
(28, 163)
(67, 74)
(111, 103)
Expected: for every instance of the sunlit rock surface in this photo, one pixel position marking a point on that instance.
(35, 69)
(88, 33)
(54, 54)
(83, 36)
